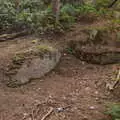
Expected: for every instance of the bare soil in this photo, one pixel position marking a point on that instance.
(73, 83)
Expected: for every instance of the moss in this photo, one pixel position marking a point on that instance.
(44, 48)
(18, 58)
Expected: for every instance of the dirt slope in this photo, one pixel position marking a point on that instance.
(73, 83)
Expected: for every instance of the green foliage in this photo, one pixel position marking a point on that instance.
(37, 16)
(30, 13)
(86, 9)
(7, 13)
(69, 50)
(68, 9)
(114, 111)
(69, 13)
(102, 3)
(30, 5)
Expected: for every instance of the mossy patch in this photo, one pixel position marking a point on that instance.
(45, 48)
(18, 58)
(39, 50)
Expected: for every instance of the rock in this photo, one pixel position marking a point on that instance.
(102, 58)
(60, 109)
(92, 108)
(101, 47)
(32, 64)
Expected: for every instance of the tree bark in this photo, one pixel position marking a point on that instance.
(56, 9)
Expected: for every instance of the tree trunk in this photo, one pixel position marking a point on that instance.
(56, 9)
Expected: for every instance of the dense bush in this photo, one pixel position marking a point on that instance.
(7, 13)
(26, 14)
(37, 16)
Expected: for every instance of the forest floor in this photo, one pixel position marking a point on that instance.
(75, 85)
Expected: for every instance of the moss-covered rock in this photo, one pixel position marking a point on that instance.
(31, 64)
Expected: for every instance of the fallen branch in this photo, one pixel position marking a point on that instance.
(48, 114)
(5, 37)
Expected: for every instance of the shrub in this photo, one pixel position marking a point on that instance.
(114, 111)
(38, 17)
(7, 13)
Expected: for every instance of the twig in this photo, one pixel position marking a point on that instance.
(32, 114)
(117, 79)
(48, 114)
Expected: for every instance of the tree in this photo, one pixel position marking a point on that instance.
(56, 9)
(57, 3)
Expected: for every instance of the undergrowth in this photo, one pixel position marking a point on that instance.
(38, 17)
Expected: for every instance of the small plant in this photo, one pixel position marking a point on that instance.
(114, 111)
(69, 50)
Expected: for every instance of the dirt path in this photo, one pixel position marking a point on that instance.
(72, 83)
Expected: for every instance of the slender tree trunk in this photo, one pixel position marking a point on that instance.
(56, 9)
